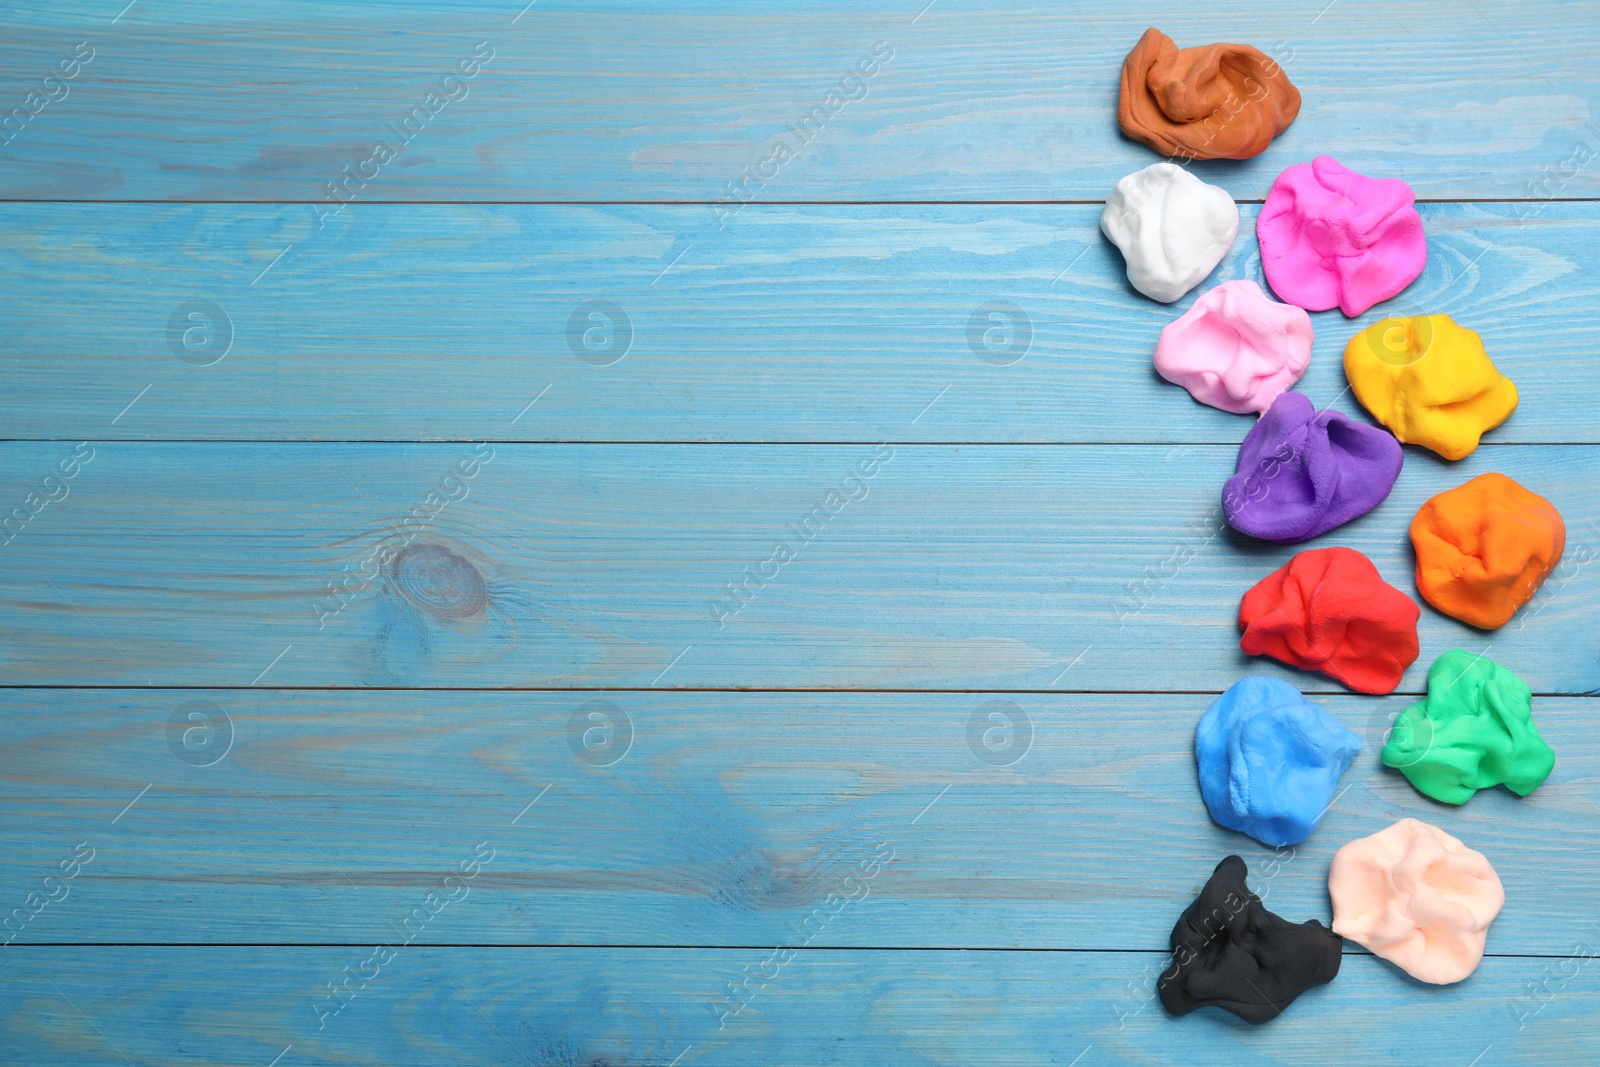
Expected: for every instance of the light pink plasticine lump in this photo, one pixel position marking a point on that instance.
(1236, 348)
(1333, 238)
(1417, 897)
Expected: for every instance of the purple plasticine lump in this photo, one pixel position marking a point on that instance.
(1302, 472)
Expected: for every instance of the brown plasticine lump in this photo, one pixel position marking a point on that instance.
(1217, 101)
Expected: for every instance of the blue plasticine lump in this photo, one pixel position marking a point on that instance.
(1270, 760)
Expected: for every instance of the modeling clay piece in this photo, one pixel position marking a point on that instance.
(1417, 897)
(1172, 229)
(1430, 381)
(1474, 730)
(1218, 101)
(1333, 238)
(1302, 472)
(1329, 610)
(1269, 760)
(1230, 952)
(1236, 349)
(1484, 548)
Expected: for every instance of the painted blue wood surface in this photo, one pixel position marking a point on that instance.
(704, 818)
(429, 1005)
(583, 565)
(840, 323)
(272, 99)
(1051, 543)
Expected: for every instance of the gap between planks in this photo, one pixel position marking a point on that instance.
(762, 203)
(702, 441)
(1349, 951)
(852, 691)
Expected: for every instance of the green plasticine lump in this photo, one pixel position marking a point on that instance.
(1472, 731)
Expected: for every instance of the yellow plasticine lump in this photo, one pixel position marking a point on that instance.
(1430, 382)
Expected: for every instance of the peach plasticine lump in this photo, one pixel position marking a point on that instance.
(1417, 897)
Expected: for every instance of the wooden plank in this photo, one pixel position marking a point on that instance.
(429, 1006)
(574, 566)
(273, 99)
(802, 324)
(718, 819)
(728, 821)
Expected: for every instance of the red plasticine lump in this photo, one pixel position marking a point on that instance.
(1329, 610)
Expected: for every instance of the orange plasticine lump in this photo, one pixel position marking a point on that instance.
(1484, 548)
(1217, 101)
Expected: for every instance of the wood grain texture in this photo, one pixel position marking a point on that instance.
(560, 1007)
(271, 99)
(570, 566)
(304, 669)
(712, 819)
(845, 323)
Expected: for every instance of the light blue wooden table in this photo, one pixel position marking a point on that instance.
(399, 666)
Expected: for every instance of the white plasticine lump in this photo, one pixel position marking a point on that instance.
(1172, 228)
